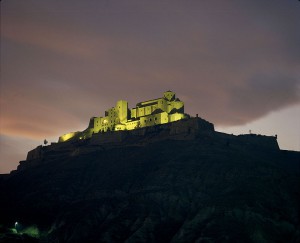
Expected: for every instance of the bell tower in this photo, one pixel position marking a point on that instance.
(169, 95)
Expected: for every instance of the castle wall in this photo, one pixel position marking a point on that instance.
(162, 104)
(122, 108)
(177, 105)
(97, 124)
(145, 114)
(110, 137)
(148, 103)
(67, 136)
(113, 116)
(133, 113)
(191, 126)
(144, 109)
(248, 141)
(175, 117)
(184, 129)
(155, 119)
(120, 127)
(130, 125)
(259, 141)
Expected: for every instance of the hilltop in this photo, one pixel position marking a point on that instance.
(177, 182)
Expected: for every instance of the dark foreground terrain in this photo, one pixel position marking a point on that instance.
(167, 191)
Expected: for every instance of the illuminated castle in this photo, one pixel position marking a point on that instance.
(148, 113)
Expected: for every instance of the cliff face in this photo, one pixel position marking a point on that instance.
(209, 187)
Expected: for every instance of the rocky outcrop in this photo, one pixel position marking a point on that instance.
(204, 187)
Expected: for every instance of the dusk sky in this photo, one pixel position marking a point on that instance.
(235, 62)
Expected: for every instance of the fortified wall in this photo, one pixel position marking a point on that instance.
(185, 129)
(195, 129)
(150, 121)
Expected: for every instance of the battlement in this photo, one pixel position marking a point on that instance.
(119, 118)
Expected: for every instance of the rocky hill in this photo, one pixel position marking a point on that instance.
(161, 185)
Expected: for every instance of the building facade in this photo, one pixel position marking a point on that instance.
(147, 113)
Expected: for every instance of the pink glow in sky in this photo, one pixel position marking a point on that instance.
(236, 63)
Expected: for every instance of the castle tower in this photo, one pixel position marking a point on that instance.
(122, 109)
(169, 95)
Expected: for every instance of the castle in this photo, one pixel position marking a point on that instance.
(150, 121)
(147, 113)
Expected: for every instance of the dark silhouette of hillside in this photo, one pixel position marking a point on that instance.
(205, 189)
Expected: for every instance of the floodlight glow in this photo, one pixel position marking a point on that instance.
(16, 227)
(144, 114)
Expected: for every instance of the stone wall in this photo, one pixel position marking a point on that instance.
(190, 126)
(107, 137)
(186, 129)
(262, 141)
(247, 141)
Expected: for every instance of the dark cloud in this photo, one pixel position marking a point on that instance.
(65, 61)
(261, 94)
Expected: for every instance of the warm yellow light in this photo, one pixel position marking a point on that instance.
(67, 136)
(147, 113)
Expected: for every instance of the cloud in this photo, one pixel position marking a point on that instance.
(230, 62)
(52, 38)
(261, 94)
(36, 121)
